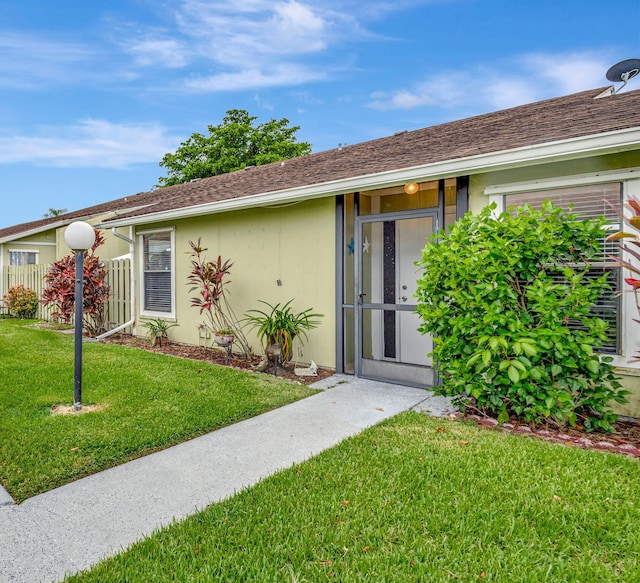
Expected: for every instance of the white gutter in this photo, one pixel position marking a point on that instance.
(573, 148)
(132, 285)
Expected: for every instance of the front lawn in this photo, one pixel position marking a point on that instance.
(413, 499)
(150, 401)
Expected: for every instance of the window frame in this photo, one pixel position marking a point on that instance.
(155, 313)
(630, 181)
(36, 253)
(608, 306)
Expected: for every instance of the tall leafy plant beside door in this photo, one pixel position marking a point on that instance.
(208, 281)
(507, 300)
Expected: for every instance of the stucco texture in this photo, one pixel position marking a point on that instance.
(293, 245)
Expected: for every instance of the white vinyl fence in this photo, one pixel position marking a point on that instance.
(118, 274)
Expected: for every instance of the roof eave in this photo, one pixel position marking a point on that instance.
(35, 231)
(574, 148)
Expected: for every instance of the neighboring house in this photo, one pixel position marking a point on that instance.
(41, 242)
(339, 231)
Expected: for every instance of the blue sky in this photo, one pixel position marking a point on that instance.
(93, 94)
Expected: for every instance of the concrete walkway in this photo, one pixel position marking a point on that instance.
(72, 527)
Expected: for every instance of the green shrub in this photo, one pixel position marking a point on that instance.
(21, 301)
(507, 301)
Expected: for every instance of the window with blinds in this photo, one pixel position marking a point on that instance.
(23, 257)
(589, 202)
(157, 274)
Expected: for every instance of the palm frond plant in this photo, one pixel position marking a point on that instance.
(279, 324)
(158, 330)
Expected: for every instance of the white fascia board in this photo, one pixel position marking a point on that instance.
(607, 143)
(564, 181)
(63, 223)
(35, 231)
(35, 243)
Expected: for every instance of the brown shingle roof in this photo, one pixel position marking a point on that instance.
(126, 203)
(562, 118)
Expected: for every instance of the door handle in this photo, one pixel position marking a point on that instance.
(361, 297)
(404, 298)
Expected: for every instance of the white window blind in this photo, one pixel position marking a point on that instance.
(23, 257)
(157, 261)
(589, 202)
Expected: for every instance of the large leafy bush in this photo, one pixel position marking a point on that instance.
(60, 289)
(21, 301)
(507, 300)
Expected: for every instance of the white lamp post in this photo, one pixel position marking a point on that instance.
(79, 236)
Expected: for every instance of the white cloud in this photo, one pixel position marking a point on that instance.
(252, 44)
(154, 50)
(208, 45)
(258, 31)
(283, 74)
(571, 72)
(90, 143)
(522, 79)
(26, 61)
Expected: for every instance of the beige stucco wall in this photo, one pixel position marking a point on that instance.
(112, 247)
(293, 244)
(631, 382)
(44, 243)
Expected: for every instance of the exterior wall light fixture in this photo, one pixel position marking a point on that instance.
(411, 188)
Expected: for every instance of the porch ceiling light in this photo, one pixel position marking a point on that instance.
(411, 188)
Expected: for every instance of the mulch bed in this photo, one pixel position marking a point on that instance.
(626, 438)
(216, 356)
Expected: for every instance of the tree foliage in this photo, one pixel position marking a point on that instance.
(232, 145)
(507, 300)
(53, 213)
(60, 289)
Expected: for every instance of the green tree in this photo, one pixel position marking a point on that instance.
(53, 213)
(507, 300)
(232, 145)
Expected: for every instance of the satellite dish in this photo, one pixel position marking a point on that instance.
(623, 71)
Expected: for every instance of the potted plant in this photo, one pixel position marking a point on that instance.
(224, 336)
(158, 329)
(279, 324)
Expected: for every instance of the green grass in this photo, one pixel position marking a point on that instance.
(411, 500)
(151, 401)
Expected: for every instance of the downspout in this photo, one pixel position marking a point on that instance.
(132, 284)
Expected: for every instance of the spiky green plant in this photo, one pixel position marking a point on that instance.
(280, 324)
